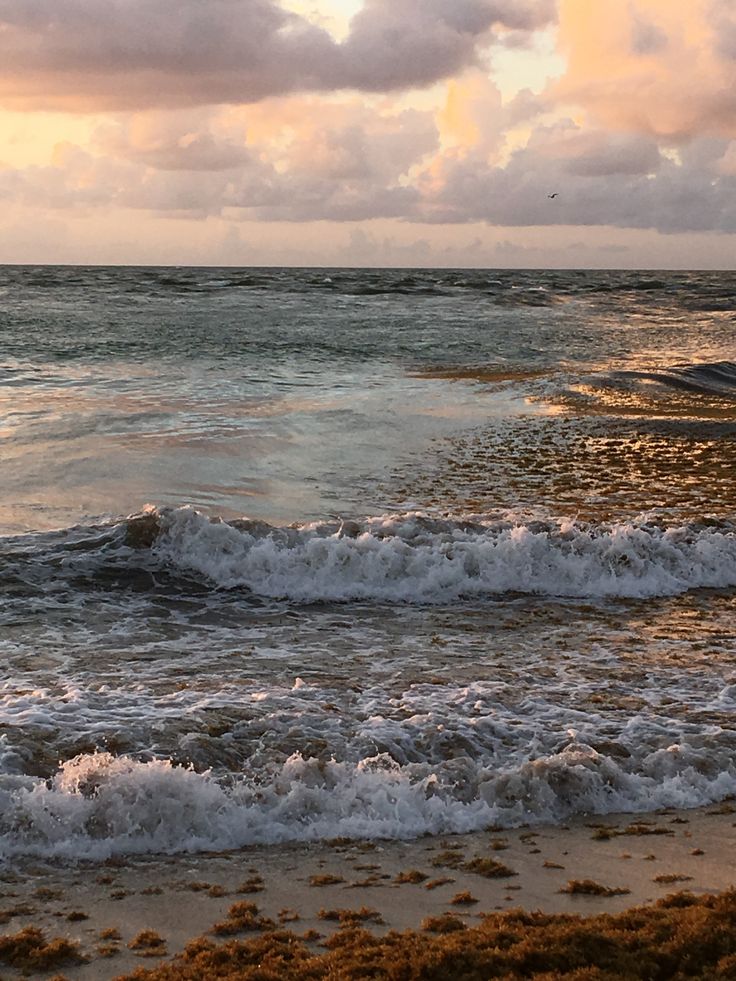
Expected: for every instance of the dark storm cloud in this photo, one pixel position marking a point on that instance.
(113, 54)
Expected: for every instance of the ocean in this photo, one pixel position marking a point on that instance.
(298, 554)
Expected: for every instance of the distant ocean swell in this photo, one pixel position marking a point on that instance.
(414, 558)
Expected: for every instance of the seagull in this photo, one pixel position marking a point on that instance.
(553, 195)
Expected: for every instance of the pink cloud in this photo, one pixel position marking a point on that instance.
(652, 66)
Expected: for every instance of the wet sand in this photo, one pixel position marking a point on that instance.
(595, 865)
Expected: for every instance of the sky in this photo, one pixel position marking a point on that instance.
(369, 132)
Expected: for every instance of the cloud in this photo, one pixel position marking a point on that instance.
(183, 140)
(128, 53)
(473, 116)
(398, 45)
(651, 66)
(727, 163)
(646, 37)
(342, 165)
(600, 180)
(724, 28)
(623, 162)
(89, 55)
(344, 140)
(284, 160)
(593, 153)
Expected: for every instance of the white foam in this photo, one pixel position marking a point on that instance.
(100, 805)
(416, 559)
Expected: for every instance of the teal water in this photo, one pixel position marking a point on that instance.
(415, 551)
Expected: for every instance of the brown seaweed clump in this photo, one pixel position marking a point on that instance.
(489, 868)
(29, 950)
(351, 916)
(410, 875)
(445, 923)
(148, 943)
(436, 883)
(325, 879)
(587, 887)
(680, 937)
(242, 917)
(463, 899)
(252, 884)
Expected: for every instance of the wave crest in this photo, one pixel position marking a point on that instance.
(99, 805)
(413, 558)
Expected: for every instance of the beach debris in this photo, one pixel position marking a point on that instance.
(463, 899)
(411, 875)
(436, 883)
(252, 884)
(351, 916)
(242, 917)
(488, 867)
(587, 887)
(690, 932)
(148, 943)
(29, 950)
(325, 879)
(446, 923)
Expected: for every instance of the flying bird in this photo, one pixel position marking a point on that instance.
(553, 195)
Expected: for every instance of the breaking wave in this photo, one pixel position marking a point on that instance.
(414, 558)
(99, 805)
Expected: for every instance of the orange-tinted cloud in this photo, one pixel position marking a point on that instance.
(602, 137)
(341, 160)
(656, 66)
(350, 163)
(175, 140)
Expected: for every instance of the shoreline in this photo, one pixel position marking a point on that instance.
(634, 859)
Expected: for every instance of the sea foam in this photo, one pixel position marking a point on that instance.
(414, 558)
(100, 805)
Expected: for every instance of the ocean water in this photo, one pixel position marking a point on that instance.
(288, 555)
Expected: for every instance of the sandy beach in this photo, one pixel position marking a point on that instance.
(592, 866)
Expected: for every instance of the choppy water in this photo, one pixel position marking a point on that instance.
(409, 551)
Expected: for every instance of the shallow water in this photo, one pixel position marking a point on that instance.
(424, 551)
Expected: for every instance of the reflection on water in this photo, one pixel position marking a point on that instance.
(594, 468)
(77, 447)
(593, 399)
(479, 373)
(706, 390)
(294, 393)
